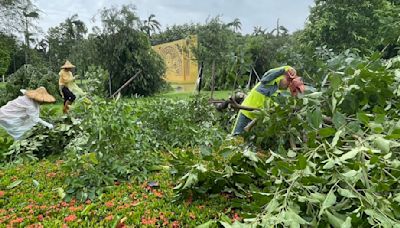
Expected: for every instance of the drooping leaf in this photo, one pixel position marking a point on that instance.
(14, 184)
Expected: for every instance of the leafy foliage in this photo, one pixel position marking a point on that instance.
(329, 24)
(326, 162)
(125, 50)
(29, 77)
(95, 78)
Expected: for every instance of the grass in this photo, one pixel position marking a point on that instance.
(2, 85)
(185, 95)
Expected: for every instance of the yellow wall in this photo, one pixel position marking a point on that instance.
(181, 64)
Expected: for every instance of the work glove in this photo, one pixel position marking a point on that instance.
(296, 86)
(49, 125)
(291, 73)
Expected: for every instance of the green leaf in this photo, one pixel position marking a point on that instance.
(14, 184)
(301, 162)
(326, 132)
(336, 138)
(36, 183)
(61, 193)
(205, 151)
(87, 209)
(346, 193)
(375, 127)
(330, 164)
(329, 201)
(349, 155)
(208, 224)
(315, 118)
(191, 180)
(350, 173)
(347, 223)
(363, 118)
(382, 144)
(250, 155)
(339, 120)
(335, 221)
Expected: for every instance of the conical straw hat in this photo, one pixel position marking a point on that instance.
(67, 65)
(41, 95)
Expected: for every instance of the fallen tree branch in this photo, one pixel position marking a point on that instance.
(126, 83)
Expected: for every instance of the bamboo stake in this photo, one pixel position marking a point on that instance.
(126, 83)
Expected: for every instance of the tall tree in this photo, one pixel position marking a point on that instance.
(151, 25)
(63, 38)
(341, 24)
(125, 50)
(236, 25)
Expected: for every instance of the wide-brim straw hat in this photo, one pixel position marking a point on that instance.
(67, 65)
(41, 95)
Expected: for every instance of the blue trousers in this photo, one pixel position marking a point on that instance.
(241, 122)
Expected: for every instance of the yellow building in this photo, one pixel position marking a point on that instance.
(182, 67)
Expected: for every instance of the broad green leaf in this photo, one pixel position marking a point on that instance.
(292, 215)
(382, 144)
(347, 223)
(397, 198)
(335, 221)
(350, 173)
(208, 224)
(14, 184)
(291, 154)
(205, 151)
(301, 162)
(330, 164)
(346, 193)
(339, 120)
(191, 180)
(329, 201)
(61, 193)
(272, 206)
(315, 118)
(375, 127)
(363, 118)
(225, 224)
(349, 155)
(336, 138)
(250, 155)
(326, 132)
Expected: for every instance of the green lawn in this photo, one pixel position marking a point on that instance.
(184, 95)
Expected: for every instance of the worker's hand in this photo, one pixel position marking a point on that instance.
(50, 126)
(291, 72)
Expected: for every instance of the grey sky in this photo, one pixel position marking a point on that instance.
(291, 13)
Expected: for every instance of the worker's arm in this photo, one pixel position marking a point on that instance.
(274, 74)
(33, 113)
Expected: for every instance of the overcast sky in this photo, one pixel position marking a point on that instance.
(291, 13)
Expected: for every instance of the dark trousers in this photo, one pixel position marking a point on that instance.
(241, 123)
(68, 95)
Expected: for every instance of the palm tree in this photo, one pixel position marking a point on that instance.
(280, 30)
(151, 25)
(259, 31)
(235, 24)
(75, 27)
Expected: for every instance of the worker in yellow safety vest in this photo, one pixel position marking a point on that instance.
(272, 82)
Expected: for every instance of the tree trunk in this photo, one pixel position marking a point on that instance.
(212, 79)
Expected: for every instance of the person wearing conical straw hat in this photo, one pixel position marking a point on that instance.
(22, 113)
(67, 86)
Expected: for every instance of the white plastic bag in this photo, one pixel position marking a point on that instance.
(19, 116)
